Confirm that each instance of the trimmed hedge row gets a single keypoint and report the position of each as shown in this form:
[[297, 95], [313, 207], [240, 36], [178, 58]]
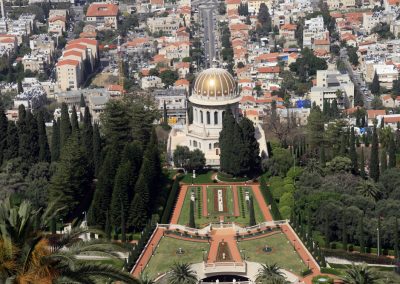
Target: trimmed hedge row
[[359, 257], [270, 199], [229, 178], [169, 207]]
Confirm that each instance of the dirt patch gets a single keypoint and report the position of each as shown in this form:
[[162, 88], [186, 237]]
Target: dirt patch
[[104, 79], [224, 202]]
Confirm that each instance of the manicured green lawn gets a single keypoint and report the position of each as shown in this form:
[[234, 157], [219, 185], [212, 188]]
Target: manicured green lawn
[[282, 252], [116, 262], [214, 216], [165, 255], [200, 178]]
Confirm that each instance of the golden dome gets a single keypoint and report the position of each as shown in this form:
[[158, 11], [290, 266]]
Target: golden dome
[[215, 82]]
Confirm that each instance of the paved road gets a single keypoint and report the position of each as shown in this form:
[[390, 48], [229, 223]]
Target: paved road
[[356, 78]]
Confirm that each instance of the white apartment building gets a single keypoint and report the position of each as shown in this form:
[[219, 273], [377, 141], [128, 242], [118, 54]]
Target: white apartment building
[[329, 84], [370, 20], [314, 30], [151, 82], [168, 25], [386, 74]]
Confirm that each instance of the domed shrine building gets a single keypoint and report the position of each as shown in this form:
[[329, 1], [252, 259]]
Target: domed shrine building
[[213, 92]]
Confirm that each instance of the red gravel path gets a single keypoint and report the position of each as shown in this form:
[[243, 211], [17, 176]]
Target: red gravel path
[[204, 201], [179, 204], [236, 210], [261, 203]]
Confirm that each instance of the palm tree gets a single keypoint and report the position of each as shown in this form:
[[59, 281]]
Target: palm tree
[[360, 274], [368, 189], [268, 272], [33, 256], [182, 273], [144, 279]]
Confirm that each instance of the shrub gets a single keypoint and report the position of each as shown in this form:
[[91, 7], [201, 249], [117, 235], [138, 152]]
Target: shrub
[[306, 272], [285, 211], [286, 200], [288, 180], [332, 271], [359, 257]]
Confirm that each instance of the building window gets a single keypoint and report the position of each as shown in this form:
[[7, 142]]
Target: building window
[[208, 117], [216, 117], [194, 143], [209, 146], [201, 116], [216, 145]]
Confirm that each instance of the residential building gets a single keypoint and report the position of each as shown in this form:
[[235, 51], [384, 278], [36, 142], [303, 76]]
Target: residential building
[[166, 25], [103, 15], [151, 82], [175, 101], [68, 74]]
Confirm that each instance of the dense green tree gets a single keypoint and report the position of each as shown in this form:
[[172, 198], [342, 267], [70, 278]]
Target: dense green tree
[[96, 149], [362, 164], [374, 159], [3, 132], [104, 187], [138, 211], [265, 21], [361, 234], [307, 64], [252, 218], [116, 123], [44, 150], [383, 160], [250, 163], [120, 196], [392, 152], [28, 139], [55, 141], [353, 153], [315, 128], [12, 141], [87, 135], [343, 144], [192, 223], [396, 238], [65, 125], [142, 122], [169, 77], [375, 85], [165, 114], [71, 184], [82, 102], [74, 120]]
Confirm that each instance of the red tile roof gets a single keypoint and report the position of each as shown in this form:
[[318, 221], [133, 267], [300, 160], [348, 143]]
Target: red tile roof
[[289, 27], [102, 10], [372, 113], [68, 62], [273, 69]]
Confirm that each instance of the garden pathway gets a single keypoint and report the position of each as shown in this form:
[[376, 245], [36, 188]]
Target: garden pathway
[[236, 204], [179, 204], [204, 201], [227, 235], [261, 203]]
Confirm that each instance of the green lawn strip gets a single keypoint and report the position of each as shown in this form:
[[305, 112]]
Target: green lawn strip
[[184, 216], [242, 202], [115, 262], [165, 255], [199, 179], [258, 213], [282, 252]]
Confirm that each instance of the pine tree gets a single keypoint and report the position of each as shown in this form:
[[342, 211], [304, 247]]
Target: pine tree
[[70, 184], [74, 120], [104, 187], [28, 139], [315, 126], [360, 234], [374, 159], [362, 164], [383, 164], [353, 153], [107, 227], [120, 194], [55, 141], [116, 123], [192, 223], [12, 141], [44, 150], [87, 137], [3, 132], [123, 225], [65, 126], [96, 149], [392, 152]]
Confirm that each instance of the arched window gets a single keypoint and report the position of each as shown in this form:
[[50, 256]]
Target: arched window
[[201, 116], [216, 117], [208, 117], [194, 143]]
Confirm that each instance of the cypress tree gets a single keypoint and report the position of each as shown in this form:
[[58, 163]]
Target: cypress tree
[[74, 120], [251, 162], [87, 137], [360, 234], [139, 207], [55, 141], [3, 132], [226, 142], [192, 223], [104, 187], [309, 223], [107, 227], [344, 233], [343, 144], [96, 149], [165, 114], [362, 164], [322, 158], [70, 184], [65, 125], [383, 166], [116, 124], [392, 152], [327, 232], [374, 159], [44, 151], [334, 109], [379, 247], [252, 218], [12, 141], [396, 238], [82, 103], [123, 225], [120, 194], [29, 140], [353, 153], [375, 85]]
